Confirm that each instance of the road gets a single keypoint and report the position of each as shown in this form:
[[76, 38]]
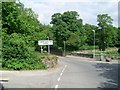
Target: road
[[72, 72]]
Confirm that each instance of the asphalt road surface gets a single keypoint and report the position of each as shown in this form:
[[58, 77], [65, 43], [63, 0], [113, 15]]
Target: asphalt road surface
[[72, 72]]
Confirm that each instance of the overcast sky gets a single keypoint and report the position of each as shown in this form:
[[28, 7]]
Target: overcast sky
[[87, 9]]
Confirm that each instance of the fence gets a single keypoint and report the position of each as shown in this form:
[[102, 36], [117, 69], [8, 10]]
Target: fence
[[56, 52]]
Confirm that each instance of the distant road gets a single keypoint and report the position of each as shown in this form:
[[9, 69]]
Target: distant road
[[72, 72]]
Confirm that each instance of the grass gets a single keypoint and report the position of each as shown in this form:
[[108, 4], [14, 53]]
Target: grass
[[105, 52], [111, 53]]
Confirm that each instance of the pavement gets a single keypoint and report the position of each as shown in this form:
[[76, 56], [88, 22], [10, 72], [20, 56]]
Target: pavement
[[71, 72]]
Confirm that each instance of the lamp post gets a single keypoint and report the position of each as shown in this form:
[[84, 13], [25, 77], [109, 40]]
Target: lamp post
[[94, 43]]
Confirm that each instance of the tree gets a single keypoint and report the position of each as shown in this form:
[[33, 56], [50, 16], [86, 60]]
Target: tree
[[10, 14], [118, 37], [67, 26], [105, 30], [89, 34]]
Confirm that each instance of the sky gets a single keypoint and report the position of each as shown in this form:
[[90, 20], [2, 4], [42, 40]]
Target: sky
[[87, 9]]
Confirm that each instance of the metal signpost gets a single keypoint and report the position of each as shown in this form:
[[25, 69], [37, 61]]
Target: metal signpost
[[45, 42]]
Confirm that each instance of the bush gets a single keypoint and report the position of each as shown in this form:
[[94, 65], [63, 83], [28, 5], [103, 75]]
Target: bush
[[22, 64], [16, 47], [17, 54], [112, 52]]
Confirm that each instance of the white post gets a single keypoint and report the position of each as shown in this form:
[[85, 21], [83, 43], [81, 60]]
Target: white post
[[48, 48], [41, 50], [94, 44]]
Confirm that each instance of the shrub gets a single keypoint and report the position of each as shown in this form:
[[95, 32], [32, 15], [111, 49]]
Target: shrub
[[112, 52], [22, 64], [17, 54]]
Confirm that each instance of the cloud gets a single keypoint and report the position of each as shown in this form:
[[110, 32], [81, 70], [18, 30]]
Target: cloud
[[88, 10]]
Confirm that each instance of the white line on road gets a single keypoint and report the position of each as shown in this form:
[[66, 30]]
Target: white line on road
[[56, 86], [64, 68], [61, 74], [58, 79]]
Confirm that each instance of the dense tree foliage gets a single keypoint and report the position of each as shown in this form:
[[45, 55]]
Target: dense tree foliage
[[107, 33], [21, 31], [89, 34], [118, 37], [69, 28]]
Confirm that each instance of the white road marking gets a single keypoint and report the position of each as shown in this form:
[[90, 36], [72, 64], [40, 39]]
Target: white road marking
[[61, 74], [56, 86], [64, 68], [58, 79]]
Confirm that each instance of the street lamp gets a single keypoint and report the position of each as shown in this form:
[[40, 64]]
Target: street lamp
[[94, 43]]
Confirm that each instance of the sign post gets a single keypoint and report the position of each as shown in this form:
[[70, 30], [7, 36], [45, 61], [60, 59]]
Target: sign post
[[45, 42], [48, 48], [41, 50]]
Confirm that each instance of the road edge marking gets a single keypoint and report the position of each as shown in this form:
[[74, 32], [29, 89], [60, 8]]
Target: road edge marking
[[61, 74], [56, 86], [58, 79]]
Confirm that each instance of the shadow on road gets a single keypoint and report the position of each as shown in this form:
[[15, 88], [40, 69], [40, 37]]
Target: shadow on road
[[1, 87], [110, 72]]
